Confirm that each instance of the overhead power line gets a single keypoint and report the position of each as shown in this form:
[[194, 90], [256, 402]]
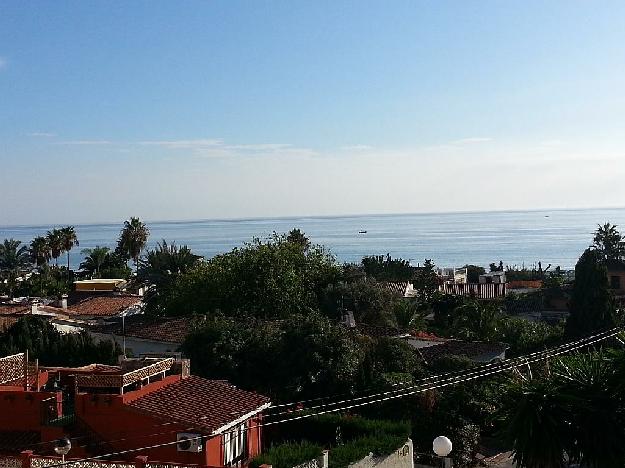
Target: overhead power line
[[502, 366]]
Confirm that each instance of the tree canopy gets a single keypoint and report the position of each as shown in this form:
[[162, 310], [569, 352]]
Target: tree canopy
[[44, 342], [592, 305], [263, 279]]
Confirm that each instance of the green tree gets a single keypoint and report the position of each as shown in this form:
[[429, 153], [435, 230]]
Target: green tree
[[95, 259], [303, 356], [426, 281], [272, 279], [132, 239], [592, 305], [609, 242], [476, 321], [576, 413], [369, 300], [14, 258], [162, 266], [55, 242], [69, 239], [44, 342], [295, 236], [387, 268], [40, 251]]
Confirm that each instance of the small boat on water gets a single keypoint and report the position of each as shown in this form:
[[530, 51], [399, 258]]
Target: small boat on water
[[362, 232]]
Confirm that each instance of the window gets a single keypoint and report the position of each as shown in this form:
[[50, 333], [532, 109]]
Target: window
[[615, 282], [235, 445]]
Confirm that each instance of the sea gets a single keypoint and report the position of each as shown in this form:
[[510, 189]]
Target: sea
[[518, 238]]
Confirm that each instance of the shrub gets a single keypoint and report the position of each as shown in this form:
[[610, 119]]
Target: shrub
[[287, 455]]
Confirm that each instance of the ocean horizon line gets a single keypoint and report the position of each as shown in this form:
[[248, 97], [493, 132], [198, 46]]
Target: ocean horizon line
[[296, 217]]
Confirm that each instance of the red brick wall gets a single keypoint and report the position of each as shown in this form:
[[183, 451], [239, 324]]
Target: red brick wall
[[21, 410]]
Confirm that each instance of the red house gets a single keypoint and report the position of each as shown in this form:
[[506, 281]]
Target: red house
[[140, 403]]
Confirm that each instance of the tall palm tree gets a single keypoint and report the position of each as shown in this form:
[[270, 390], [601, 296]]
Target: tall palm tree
[[14, 258], [132, 239], [40, 255], [55, 241], [69, 240], [40, 251], [609, 242], [95, 259]]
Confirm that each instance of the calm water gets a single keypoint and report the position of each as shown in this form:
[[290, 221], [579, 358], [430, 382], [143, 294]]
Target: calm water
[[451, 239]]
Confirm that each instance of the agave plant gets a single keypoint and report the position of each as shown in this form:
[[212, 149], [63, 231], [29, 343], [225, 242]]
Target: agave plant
[[576, 415]]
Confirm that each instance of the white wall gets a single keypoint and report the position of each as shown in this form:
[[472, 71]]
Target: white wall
[[401, 458]]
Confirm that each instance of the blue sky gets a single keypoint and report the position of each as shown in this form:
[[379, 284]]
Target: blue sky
[[186, 110]]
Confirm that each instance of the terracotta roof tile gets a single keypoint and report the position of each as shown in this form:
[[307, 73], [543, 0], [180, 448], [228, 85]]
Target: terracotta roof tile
[[207, 405], [170, 330], [103, 305], [11, 309]]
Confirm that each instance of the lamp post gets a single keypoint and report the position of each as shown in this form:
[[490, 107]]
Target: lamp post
[[62, 447], [442, 448]]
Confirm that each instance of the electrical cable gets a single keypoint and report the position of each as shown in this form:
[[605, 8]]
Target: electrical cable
[[504, 366]]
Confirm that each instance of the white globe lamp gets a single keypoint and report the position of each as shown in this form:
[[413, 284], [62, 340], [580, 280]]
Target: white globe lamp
[[442, 448], [62, 447]]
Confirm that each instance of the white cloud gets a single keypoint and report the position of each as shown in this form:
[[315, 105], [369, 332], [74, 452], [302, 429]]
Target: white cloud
[[469, 140], [217, 148], [42, 134], [184, 144], [86, 142], [357, 148]]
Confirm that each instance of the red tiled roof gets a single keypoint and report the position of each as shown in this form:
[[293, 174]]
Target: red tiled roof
[[103, 305], [12, 309], [170, 330], [204, 404]]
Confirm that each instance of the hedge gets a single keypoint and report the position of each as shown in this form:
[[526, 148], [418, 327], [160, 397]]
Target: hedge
[[287, 455], [356, 449]]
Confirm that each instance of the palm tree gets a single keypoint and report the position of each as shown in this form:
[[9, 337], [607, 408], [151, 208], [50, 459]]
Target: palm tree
[[13, 259], [609, 242], [40, 251], [576, 414], [55, 242], [132, 239], [94, 259], [69, 240], [165, 262]]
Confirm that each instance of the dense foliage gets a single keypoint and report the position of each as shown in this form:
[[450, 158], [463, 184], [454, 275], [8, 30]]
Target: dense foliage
[[387, 268], [592, 305], [44, 342], [287, 455], [349, 438], [575, 414], [303, 356], [264, 279]]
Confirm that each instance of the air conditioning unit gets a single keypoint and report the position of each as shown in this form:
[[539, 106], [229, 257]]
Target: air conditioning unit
[[189, 442]]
